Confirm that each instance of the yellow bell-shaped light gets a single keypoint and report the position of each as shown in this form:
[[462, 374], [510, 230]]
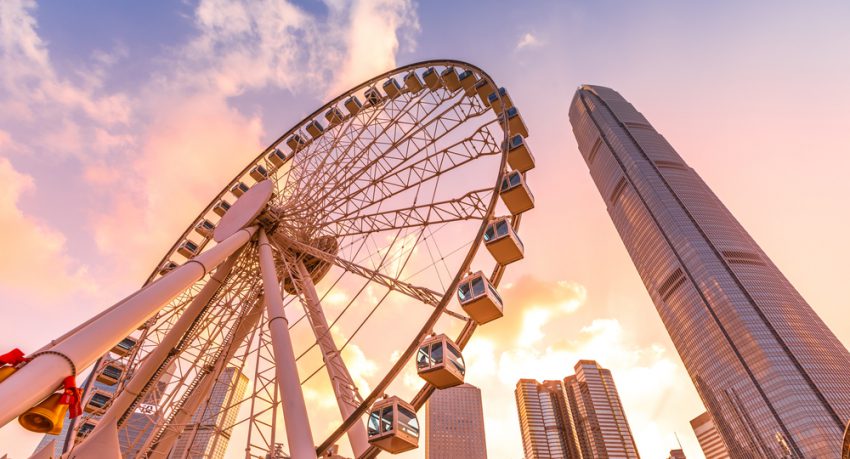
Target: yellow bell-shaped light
[[6, 371], [46, 417]]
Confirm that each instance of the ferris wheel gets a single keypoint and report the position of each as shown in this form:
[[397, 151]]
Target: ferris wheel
[[353, 239]]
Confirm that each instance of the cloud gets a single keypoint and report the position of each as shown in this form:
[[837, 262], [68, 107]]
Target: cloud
[[528, 40]]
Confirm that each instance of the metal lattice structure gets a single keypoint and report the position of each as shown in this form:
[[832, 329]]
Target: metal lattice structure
[[376, 213]]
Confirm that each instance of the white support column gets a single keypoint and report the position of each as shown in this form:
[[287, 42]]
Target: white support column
[[298, 430], [40, 377], [346, 392]]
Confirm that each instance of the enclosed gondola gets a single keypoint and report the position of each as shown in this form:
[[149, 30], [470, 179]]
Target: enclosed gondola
[[503, 242], [239, 188], [440, 362], [98, 402], [353, 105], [519, 156], [500, 101], [167, 267], [479, 299], [276, 158], [124, 347], [432, 79], [515, 122], [467, 81], [412, 82], [334, 117], [392, 88], [450, 79], [86, 428], [205, 228], [188, 249], [483, 88], [515, 193], [110, 373], [372, 96], [221, 208], [393, 426], [259, 173], [296, 141]]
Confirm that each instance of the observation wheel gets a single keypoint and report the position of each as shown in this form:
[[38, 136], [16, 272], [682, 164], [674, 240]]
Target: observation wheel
[[324, 293]]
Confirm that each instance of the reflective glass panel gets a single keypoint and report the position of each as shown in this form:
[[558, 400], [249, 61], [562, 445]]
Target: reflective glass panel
[[374, 424], [422, 359], [437, 353], [407, 421], [387, 419], [478, 286]]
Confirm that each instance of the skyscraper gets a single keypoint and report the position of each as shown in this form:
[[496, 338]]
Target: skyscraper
[[600, 421], [455, 420], [708, 437], [770, 372], [676, 454], [544, 420], [217, 415]]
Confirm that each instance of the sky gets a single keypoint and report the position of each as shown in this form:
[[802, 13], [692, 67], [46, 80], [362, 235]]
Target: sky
[[121, 119]]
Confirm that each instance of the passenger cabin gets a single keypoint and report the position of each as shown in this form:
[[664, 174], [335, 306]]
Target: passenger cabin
[[519, 156], [188, 249], [413, 82], [515, 122], [432, 79], [484, 89], [221, 208], [502, 241], [393, 426], [334, 117], [259, 173], [479, 299], [123, 348], [110, 373], [295, 142], [86, 428], [392, 88], [315, 129], [98, 402], [440, 362], [467, 80], [240, 188], [450, 79], [205, 228], [515, 193], [500, 101], [353, 105], [373, 97], [276, 158], [167, 267]]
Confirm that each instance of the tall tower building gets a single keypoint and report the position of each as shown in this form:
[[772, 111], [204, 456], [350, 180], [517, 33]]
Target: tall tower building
[[770, 372], [708, 437], [595, 406], [455, 420], [544, 420], [676, 454], [217, 415]]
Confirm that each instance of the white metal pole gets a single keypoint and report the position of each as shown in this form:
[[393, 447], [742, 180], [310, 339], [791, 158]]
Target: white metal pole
[[346, 392], [294, 409], [40, 377]]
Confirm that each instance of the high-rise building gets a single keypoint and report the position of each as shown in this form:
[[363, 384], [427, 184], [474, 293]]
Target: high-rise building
[[544, 420], [771, 373], [708, 437], [455, 420], [676, 454], [215, 416], [601, 424], [579, 417]]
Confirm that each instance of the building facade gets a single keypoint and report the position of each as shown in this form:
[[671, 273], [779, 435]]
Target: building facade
[[579, 417], [198, 440], [455, 420], [676, 454], [770, 372], [708, 437]]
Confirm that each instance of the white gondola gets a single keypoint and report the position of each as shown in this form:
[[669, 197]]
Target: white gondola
[[519, 155], [500, 101], [515, 122], [315, 129], [440, 362], [432, 79], [188, 249], [86, 428], [167, 267], [110, 373], [392, 88], [98, 402], [479, 299], [240, 188], [259, 173], [413, 83], [467, 81], [483, 88], [393, 425], [515, 193], [205, 228], [503, 242], [221, 208], [296, 141], [353, 105], [450, 79], [334, 117], [124, 347], [372, 96]]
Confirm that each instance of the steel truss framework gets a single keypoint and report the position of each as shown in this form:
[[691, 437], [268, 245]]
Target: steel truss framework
[[381, 210]]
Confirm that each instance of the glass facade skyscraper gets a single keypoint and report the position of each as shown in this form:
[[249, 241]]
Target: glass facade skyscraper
[[770, 372], [455, 424]]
